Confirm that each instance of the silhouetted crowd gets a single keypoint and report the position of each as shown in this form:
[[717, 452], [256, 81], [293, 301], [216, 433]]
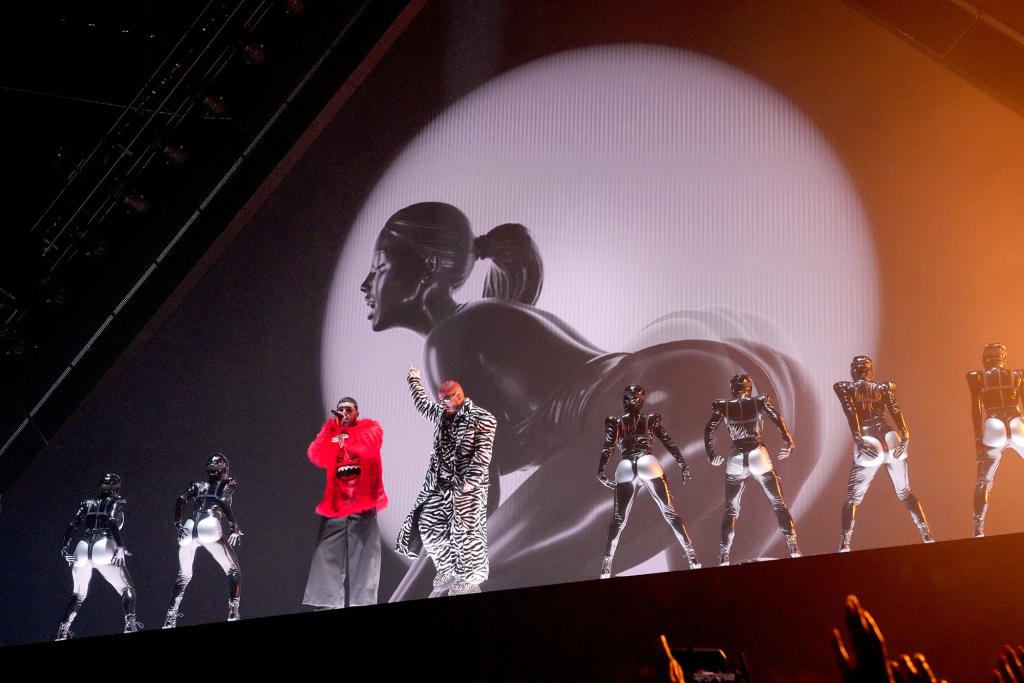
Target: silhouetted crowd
[[864, 658]]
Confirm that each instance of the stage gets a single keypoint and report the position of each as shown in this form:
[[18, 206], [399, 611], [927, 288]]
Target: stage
[[956, 601]]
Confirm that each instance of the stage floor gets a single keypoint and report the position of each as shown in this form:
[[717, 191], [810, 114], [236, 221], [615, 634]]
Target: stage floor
[[956, 601]]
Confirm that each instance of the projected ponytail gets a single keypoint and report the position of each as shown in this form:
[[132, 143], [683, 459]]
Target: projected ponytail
[[516, 273], [441, 232]]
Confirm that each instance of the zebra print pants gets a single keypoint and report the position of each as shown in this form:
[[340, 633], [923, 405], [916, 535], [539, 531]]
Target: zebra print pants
[[453, 527]]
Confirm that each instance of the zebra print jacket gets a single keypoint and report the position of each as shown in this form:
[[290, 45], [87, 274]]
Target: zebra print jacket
[[460, 460]]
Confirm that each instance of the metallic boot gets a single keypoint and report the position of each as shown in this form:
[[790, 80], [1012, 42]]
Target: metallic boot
[[691, 556], [606, 567], [979, 526], [171, 620], [64, 632], [791, 544], [70, 612], [131, 625], [233, 614], [917, 516], [844, 540], [723, 556]]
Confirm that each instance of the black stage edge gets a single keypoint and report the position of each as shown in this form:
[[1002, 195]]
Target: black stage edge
[[956, 601]]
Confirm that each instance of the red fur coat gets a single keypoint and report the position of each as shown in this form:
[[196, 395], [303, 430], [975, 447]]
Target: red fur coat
[[354, 482]]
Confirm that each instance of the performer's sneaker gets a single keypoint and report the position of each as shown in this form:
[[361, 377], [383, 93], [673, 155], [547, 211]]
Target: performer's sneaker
[[463, 588], [443, 581]]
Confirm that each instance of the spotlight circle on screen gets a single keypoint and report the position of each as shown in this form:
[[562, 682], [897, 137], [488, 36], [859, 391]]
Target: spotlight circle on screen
[[653, 180]]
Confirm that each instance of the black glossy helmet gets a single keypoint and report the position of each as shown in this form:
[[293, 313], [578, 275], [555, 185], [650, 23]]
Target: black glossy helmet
[[217, 465], [861, 367], [740, 385], [994, 355], [110, 483], [634, 396]]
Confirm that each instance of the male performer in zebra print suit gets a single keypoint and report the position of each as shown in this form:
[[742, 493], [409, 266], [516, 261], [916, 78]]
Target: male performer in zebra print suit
[[449, 518]]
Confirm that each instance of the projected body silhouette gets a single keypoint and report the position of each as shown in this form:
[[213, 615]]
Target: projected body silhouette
[[545, 384]]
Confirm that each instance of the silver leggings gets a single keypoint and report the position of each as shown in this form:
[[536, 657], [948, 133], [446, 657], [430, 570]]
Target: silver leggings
[[630, 475], [759, 466]]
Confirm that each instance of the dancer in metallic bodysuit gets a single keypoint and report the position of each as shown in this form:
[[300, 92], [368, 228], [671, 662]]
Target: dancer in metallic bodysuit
[[101, 547], [876, 443], [634, 432], [998, 422], [748, 456], [211, 525]]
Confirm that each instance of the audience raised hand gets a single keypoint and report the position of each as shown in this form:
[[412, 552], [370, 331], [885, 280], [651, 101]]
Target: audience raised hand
[[1010, 668], [913, 669], [865, 660]]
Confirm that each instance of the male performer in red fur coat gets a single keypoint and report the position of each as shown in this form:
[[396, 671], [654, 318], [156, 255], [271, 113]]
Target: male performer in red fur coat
[[348, 547]]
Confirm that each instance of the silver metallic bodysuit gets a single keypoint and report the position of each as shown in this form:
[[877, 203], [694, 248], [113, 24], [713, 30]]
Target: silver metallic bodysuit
[[748, 457], [876, 443], [100, 547], [998, 423], [634, 434], [211, 526]]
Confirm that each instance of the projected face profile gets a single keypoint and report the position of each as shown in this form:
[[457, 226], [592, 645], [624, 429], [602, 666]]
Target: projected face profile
[[499, 238], [423, 252], [388, 295]]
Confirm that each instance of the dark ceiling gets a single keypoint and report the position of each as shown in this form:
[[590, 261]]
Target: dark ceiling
[[72, 67], [86, 104], [136, 130], [981, 40]]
